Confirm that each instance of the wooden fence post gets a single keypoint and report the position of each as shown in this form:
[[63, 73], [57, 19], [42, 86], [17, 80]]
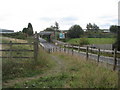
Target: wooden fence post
[[48, 50], [98, 55], [36, 47], [53, 49], [64, 48], [60, 49], [87, 53], [91, 50], [68, 48], [35, 51], [56, 49], [115, 60], [10, 52], [72, 49], [79, 48]]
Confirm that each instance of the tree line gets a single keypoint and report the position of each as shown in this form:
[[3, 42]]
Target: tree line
[[75, 31], [92, 31]]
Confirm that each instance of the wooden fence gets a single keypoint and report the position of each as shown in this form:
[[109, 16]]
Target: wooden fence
[[65, 49], [11, 49]]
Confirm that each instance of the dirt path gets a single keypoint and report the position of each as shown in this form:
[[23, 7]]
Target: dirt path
[[60, 66]]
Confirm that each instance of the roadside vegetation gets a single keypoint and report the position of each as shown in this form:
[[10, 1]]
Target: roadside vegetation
[[77, 73]]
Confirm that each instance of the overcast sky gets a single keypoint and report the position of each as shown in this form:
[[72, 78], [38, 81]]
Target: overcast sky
[[16, 14]]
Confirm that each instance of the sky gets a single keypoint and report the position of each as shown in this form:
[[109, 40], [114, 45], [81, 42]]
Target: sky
[[16, 14]]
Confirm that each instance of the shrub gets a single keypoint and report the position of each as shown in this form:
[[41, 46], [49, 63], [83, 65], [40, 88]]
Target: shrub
[[84, 41]]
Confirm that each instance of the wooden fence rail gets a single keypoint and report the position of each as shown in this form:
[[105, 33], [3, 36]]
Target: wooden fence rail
[[10, 50], [67, 50], [16, 50], [93, 49], [18, 43]]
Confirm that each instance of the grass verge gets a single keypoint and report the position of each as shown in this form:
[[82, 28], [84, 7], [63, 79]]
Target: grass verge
[[79, 73]]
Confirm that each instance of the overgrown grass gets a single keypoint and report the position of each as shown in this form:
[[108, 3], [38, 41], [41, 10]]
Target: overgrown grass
[[88, 73], [93, 40], [79, 73], [16, 68]]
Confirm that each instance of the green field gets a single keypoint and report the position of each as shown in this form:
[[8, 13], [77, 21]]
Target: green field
[[93, 40]]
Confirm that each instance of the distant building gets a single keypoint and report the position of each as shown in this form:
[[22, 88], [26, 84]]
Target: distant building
[[45, 33], [6, 31], [84, 30], [105, 30]]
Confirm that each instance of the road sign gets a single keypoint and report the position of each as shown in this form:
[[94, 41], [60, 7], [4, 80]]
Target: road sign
[[61, 35]]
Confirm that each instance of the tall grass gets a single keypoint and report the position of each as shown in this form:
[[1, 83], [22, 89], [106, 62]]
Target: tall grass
[[78, 73], [88, 74], [16, 68]]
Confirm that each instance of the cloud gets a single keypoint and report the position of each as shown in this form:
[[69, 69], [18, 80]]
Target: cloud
[[114, 21], [15, 14], [106, 25], [106, 17], [65, 19], [46, 19], [69, 19], [107, 20]]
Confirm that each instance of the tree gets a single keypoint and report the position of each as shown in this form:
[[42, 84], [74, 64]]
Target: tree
[[113, 28], [30, 29], [25, 30], [56, 25], [75, 31], [91, 27], [95, 27], [49, 29], [53, 28]]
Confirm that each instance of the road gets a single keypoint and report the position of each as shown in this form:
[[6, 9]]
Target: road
[[46, 45], [105, 59]]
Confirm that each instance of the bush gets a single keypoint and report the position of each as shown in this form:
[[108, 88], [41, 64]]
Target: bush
[[84, 41]]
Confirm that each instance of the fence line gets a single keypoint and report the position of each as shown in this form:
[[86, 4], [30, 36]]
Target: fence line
[[10, 50], [66, 50], [93, 49]]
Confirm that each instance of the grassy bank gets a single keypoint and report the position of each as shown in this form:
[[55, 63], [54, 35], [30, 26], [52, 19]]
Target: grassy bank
[[17, 68], [93, 40], [77, 73]]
